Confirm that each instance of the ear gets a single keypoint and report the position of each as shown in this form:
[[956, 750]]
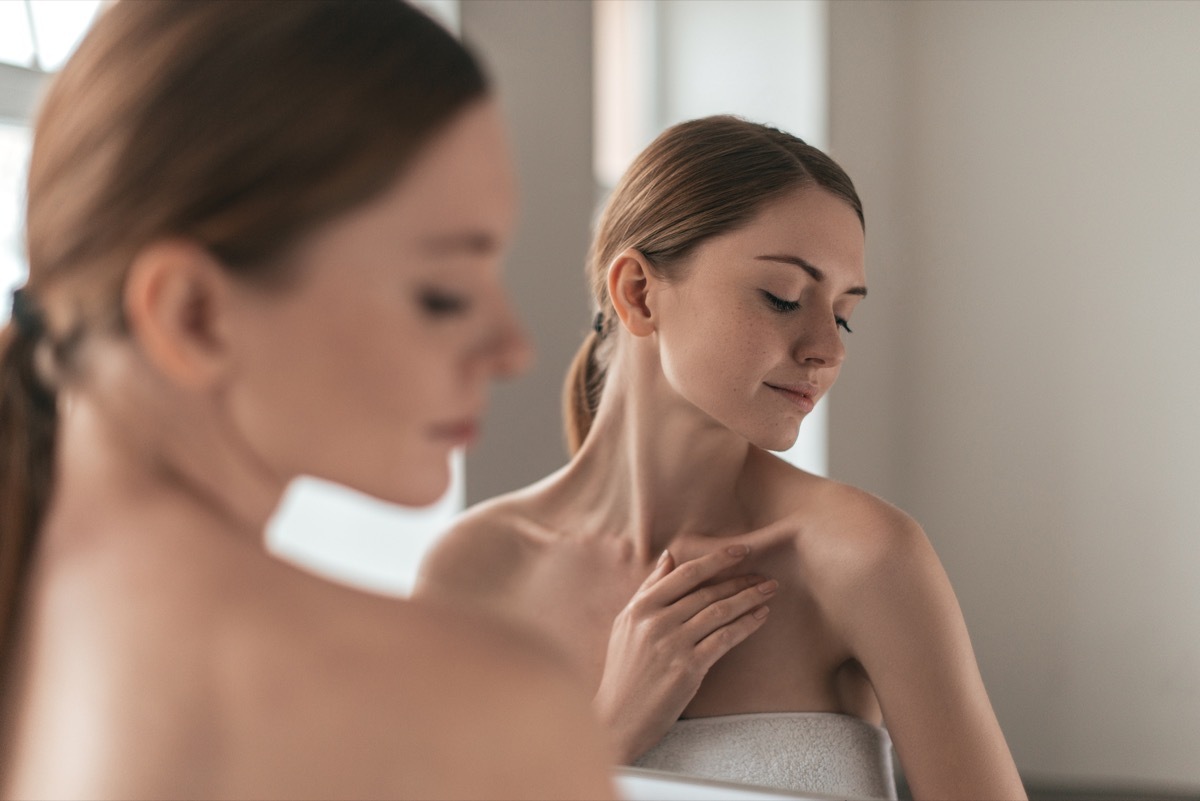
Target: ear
[[631, 286], [174, 297]]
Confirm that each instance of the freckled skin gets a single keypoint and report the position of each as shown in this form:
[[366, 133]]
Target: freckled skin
[[720, 339]]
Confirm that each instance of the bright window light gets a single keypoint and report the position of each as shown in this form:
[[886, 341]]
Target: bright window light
[[16, 43], [42, 33], [14, 156]]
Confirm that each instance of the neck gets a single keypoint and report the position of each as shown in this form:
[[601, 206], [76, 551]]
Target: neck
[[653, 467], [135, 447]]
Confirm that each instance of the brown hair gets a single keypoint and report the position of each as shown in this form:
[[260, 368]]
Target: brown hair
[[238, 125], [697, 180]]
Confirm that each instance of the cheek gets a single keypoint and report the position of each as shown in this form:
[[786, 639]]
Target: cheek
[[721, 354]]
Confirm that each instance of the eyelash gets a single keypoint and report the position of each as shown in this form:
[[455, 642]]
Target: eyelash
[[784, 306], [443, 304]]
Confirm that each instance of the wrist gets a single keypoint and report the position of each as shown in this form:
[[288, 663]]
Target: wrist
[[626, 742]]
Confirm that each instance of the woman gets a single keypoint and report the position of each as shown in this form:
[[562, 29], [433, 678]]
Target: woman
[[726, 268], [264, 241]]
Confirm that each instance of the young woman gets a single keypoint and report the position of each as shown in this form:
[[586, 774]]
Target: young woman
[[726, 268], [264, 241]]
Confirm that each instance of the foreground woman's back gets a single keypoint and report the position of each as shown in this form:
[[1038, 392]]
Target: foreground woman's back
[[244, 678], [264, 241]]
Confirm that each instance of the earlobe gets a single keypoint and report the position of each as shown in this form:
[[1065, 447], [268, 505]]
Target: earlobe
[[630, 286], [173, 297]]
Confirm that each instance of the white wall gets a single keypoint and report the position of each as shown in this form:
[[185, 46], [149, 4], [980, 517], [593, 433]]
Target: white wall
[[1028, 391], [540, 55]]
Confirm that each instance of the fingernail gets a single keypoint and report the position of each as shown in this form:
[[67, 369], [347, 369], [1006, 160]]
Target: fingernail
[[737, 550], [663, 558], [768, 587], [761, 612]]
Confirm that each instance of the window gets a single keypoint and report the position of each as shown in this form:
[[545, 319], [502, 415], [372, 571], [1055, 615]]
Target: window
[[36, 37], [14, 155]]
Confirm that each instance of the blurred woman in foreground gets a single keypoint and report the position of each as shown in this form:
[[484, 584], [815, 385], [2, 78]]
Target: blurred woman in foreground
[[264, 241]]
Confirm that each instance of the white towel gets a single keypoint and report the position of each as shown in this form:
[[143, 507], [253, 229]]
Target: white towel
[[821, 752]]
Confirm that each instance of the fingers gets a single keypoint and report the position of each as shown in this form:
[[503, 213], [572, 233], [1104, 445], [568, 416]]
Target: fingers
[[726, 610], [666, 563], [704, 598], [686, 577], [725, 638]]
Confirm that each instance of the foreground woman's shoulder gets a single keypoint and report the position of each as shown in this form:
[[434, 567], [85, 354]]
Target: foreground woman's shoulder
[[513, 720], [411, 699], [249, 678]]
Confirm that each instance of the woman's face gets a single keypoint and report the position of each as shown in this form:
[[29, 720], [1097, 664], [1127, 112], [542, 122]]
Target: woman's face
[[751, 335], [376, 365]]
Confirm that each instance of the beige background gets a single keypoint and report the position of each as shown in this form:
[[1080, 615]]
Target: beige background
[[1028, 380]]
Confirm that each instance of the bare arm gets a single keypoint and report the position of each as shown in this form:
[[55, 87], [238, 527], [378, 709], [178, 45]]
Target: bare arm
[[905, 626]]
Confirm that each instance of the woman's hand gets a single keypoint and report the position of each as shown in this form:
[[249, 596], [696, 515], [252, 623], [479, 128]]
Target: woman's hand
[[667, 637]]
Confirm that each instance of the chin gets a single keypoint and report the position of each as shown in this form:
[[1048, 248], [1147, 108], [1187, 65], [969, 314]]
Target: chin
[[425, 492], [411, 485], [776, 440]]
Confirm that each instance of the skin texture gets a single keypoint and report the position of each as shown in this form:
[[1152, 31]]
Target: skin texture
[[164, 653], [862, 621]]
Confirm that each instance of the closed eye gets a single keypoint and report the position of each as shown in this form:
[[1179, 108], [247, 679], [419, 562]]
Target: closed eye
[[779, 304], [438, 303], [784, 306]]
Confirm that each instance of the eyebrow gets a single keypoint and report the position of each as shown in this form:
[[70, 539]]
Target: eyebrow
[[809, 268], [475, 243]]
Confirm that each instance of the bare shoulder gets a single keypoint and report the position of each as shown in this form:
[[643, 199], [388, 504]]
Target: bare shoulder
[[482, 553], [246, 677], [861, 530], [424, 690], [853, 542], [512, 708], [837, 524], [397, 696], [871, 564]]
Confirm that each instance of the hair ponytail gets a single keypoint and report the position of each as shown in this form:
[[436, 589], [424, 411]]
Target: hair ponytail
[[28, 424], [581, 392]]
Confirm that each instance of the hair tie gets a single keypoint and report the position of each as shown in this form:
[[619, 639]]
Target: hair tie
[[598, 324], [26, 316]]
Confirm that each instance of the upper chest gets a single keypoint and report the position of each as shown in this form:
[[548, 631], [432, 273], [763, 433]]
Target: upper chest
[[573, 589]]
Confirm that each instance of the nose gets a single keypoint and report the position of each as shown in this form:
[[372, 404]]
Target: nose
[[820, 344], [511, 351]]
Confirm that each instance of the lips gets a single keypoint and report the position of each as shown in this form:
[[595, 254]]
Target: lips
[[803, 396], [459, 433]]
